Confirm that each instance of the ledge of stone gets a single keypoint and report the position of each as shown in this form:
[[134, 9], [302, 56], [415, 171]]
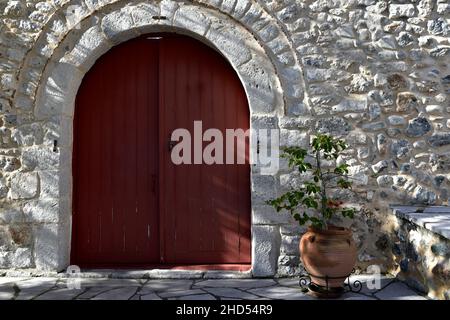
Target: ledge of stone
[[433, 218], [131, 274]]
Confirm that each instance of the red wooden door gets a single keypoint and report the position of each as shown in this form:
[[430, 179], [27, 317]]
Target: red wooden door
[[132, 206], [205, 208], [115, 204]]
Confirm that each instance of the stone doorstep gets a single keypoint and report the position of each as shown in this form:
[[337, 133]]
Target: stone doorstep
[[165, 274], [131, 274], [433, 218]]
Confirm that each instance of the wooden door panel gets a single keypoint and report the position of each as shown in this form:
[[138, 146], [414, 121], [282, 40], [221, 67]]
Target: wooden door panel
[[206, 208], [116, 220]]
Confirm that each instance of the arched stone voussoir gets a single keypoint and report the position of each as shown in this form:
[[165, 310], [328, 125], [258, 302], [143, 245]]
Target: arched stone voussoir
[[146, 15], [231, 39], [262, 85], [134, 20], [192, 18], [118, 26], [58, 92], [98, 4], [91, 46]]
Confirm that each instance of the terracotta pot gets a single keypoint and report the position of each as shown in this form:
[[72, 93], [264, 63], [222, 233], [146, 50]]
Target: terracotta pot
[[329, 253]]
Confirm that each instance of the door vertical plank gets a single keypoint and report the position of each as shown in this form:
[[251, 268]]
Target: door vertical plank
[[164, 156], [130, 128], [207, 171], [148, 152], [154, 148], [107, 236], [117, 209], [143, 162], [93, 176]]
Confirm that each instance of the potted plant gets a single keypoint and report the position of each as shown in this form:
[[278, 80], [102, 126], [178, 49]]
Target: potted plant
[[328, 252]]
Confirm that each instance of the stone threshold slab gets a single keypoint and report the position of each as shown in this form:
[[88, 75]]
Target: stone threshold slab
[[433, 218], [134, 274]]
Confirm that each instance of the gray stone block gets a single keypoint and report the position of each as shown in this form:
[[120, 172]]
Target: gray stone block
[[24, 185], [118, 26], [266, 246]]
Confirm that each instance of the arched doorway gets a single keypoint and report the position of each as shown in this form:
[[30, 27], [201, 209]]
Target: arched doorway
[[132, 207]]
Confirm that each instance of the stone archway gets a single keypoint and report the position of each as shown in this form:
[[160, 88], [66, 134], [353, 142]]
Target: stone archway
[[96, 35]]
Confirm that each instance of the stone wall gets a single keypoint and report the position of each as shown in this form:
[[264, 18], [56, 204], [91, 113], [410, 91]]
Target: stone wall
[[423, 259], [374, 72]]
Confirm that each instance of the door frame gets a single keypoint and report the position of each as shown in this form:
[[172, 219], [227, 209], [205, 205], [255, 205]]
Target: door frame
[[55, 104], [164, 157]]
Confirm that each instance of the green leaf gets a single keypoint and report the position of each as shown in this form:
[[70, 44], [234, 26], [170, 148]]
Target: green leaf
[[344, 183], [316, 222], [310, 203], [341, 169], [349, 212], [312, 188]]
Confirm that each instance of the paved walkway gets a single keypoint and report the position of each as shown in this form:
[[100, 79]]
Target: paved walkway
[[166, 289]]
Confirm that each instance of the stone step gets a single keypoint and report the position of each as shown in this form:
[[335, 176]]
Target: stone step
[[422, 248]]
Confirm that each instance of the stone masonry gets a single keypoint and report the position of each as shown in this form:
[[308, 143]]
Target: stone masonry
[[376, 73], [422, 249]]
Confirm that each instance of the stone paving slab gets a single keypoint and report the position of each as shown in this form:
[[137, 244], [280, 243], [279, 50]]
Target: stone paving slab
[[116, 294], [6, 293], [29, 294], [226, 293], [236, 283], [105, 282], [151, 296], [90, 293], [369, 285], [194, 289], [280, 293], [398, 291], [168, 285], [59, 294], [356, 296], [181, 293], [195, 297]]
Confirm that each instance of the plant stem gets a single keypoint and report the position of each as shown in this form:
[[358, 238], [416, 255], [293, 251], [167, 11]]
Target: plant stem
[[323, 191]]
